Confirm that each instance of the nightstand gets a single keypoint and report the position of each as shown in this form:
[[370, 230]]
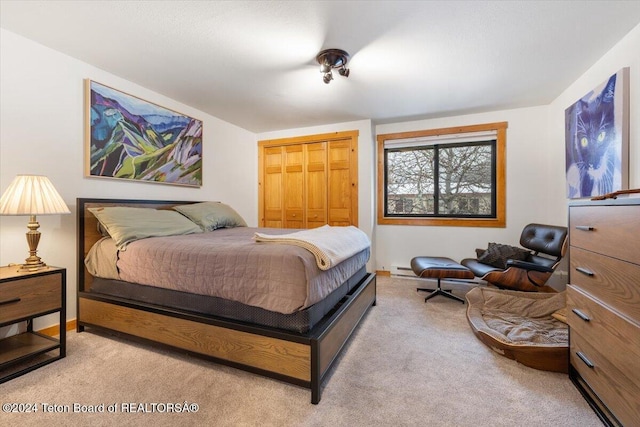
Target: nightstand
[[25, 296]]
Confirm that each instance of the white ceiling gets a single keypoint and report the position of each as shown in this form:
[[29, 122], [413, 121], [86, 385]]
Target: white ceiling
[[252, 63]]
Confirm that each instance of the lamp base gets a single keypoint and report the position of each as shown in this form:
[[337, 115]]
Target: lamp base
[[33, 265]]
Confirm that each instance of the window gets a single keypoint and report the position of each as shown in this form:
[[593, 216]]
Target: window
[[463, 175], [452, 176]]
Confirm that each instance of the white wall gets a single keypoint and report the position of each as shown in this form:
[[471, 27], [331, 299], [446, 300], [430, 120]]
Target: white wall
[[41, 132], [528, 152], [536, 189], [625, 53]]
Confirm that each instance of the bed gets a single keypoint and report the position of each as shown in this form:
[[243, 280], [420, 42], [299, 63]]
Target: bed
[[297, 344]]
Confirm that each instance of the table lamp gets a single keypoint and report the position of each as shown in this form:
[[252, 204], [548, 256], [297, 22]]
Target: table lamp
[[32, 195]]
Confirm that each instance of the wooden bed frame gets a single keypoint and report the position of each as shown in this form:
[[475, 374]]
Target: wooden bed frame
[[301, 359]]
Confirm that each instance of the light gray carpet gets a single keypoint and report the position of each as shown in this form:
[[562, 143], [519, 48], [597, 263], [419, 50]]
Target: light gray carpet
[[408, 364]]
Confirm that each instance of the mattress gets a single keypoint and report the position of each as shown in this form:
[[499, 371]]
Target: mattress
[[301, 321], [226, 273]]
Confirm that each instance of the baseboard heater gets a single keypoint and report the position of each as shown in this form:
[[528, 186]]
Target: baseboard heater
[[398, 270]]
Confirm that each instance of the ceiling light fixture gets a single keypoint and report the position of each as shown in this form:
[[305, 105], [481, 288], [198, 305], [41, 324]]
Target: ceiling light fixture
[[330, 59]]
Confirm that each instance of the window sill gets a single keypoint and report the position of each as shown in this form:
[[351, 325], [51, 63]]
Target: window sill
[[445, 222]]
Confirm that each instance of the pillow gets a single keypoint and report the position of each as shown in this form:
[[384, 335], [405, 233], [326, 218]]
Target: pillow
[[126, 224], [212, 215], [103, 231], [497, 255]]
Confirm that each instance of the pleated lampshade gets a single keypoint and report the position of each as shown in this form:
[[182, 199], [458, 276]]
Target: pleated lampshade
[[32, 195]]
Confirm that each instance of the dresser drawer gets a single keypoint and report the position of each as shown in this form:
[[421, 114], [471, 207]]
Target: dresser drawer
[[606, 229], [615, 390], [30, 296], [608, 279], [614, 335]]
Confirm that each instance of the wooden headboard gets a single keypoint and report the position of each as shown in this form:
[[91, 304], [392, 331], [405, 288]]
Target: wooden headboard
[[88, 233]]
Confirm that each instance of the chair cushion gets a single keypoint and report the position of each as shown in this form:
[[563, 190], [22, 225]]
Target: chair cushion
[[497, 255], [479, 269], [439, 267], [548, 239]]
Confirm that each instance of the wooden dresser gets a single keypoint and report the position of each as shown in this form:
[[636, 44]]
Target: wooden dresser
[[603, 300]]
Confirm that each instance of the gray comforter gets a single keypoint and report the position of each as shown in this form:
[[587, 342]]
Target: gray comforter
[[228, 263]]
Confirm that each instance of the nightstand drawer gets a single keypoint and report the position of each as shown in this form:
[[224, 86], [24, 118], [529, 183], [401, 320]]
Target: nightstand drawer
[[30, 296], [617, 391], [608, 279], [617, 336], [605, 229]]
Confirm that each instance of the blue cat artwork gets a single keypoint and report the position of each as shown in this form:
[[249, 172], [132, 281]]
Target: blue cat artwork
[[594, 143]]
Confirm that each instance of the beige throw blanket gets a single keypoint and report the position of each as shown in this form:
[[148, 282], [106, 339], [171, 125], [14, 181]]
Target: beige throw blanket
[[330, 245]]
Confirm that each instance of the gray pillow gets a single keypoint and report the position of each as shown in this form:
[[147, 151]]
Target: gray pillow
[[127, 224], [212, 215], [497, 255]]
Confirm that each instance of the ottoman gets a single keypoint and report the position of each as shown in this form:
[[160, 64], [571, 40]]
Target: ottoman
[[439, 268]]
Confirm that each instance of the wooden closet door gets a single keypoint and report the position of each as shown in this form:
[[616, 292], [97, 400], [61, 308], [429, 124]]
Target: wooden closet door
[[273, 182], [342, 186], [294, 200], [308, 181], [316, 184]]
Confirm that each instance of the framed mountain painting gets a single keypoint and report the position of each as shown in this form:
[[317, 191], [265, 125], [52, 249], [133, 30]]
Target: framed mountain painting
[[597, 139], [129, 138]]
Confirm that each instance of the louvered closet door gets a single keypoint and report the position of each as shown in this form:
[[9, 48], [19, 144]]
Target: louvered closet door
[[316, 184], [294, 200], [273, 182]]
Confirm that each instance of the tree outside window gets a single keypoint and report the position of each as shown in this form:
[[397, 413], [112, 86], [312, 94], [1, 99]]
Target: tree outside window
[[429, 180]]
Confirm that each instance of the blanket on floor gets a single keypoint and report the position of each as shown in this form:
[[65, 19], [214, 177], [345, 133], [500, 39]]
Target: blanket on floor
[[523, 319]]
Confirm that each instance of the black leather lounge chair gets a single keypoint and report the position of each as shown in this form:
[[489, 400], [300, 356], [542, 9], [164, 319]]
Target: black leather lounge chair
[[509, 267]]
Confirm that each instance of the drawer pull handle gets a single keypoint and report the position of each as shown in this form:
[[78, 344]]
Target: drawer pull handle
[[581, 315], [585, 359], [10, 301], [584, 227], [585, 271]]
